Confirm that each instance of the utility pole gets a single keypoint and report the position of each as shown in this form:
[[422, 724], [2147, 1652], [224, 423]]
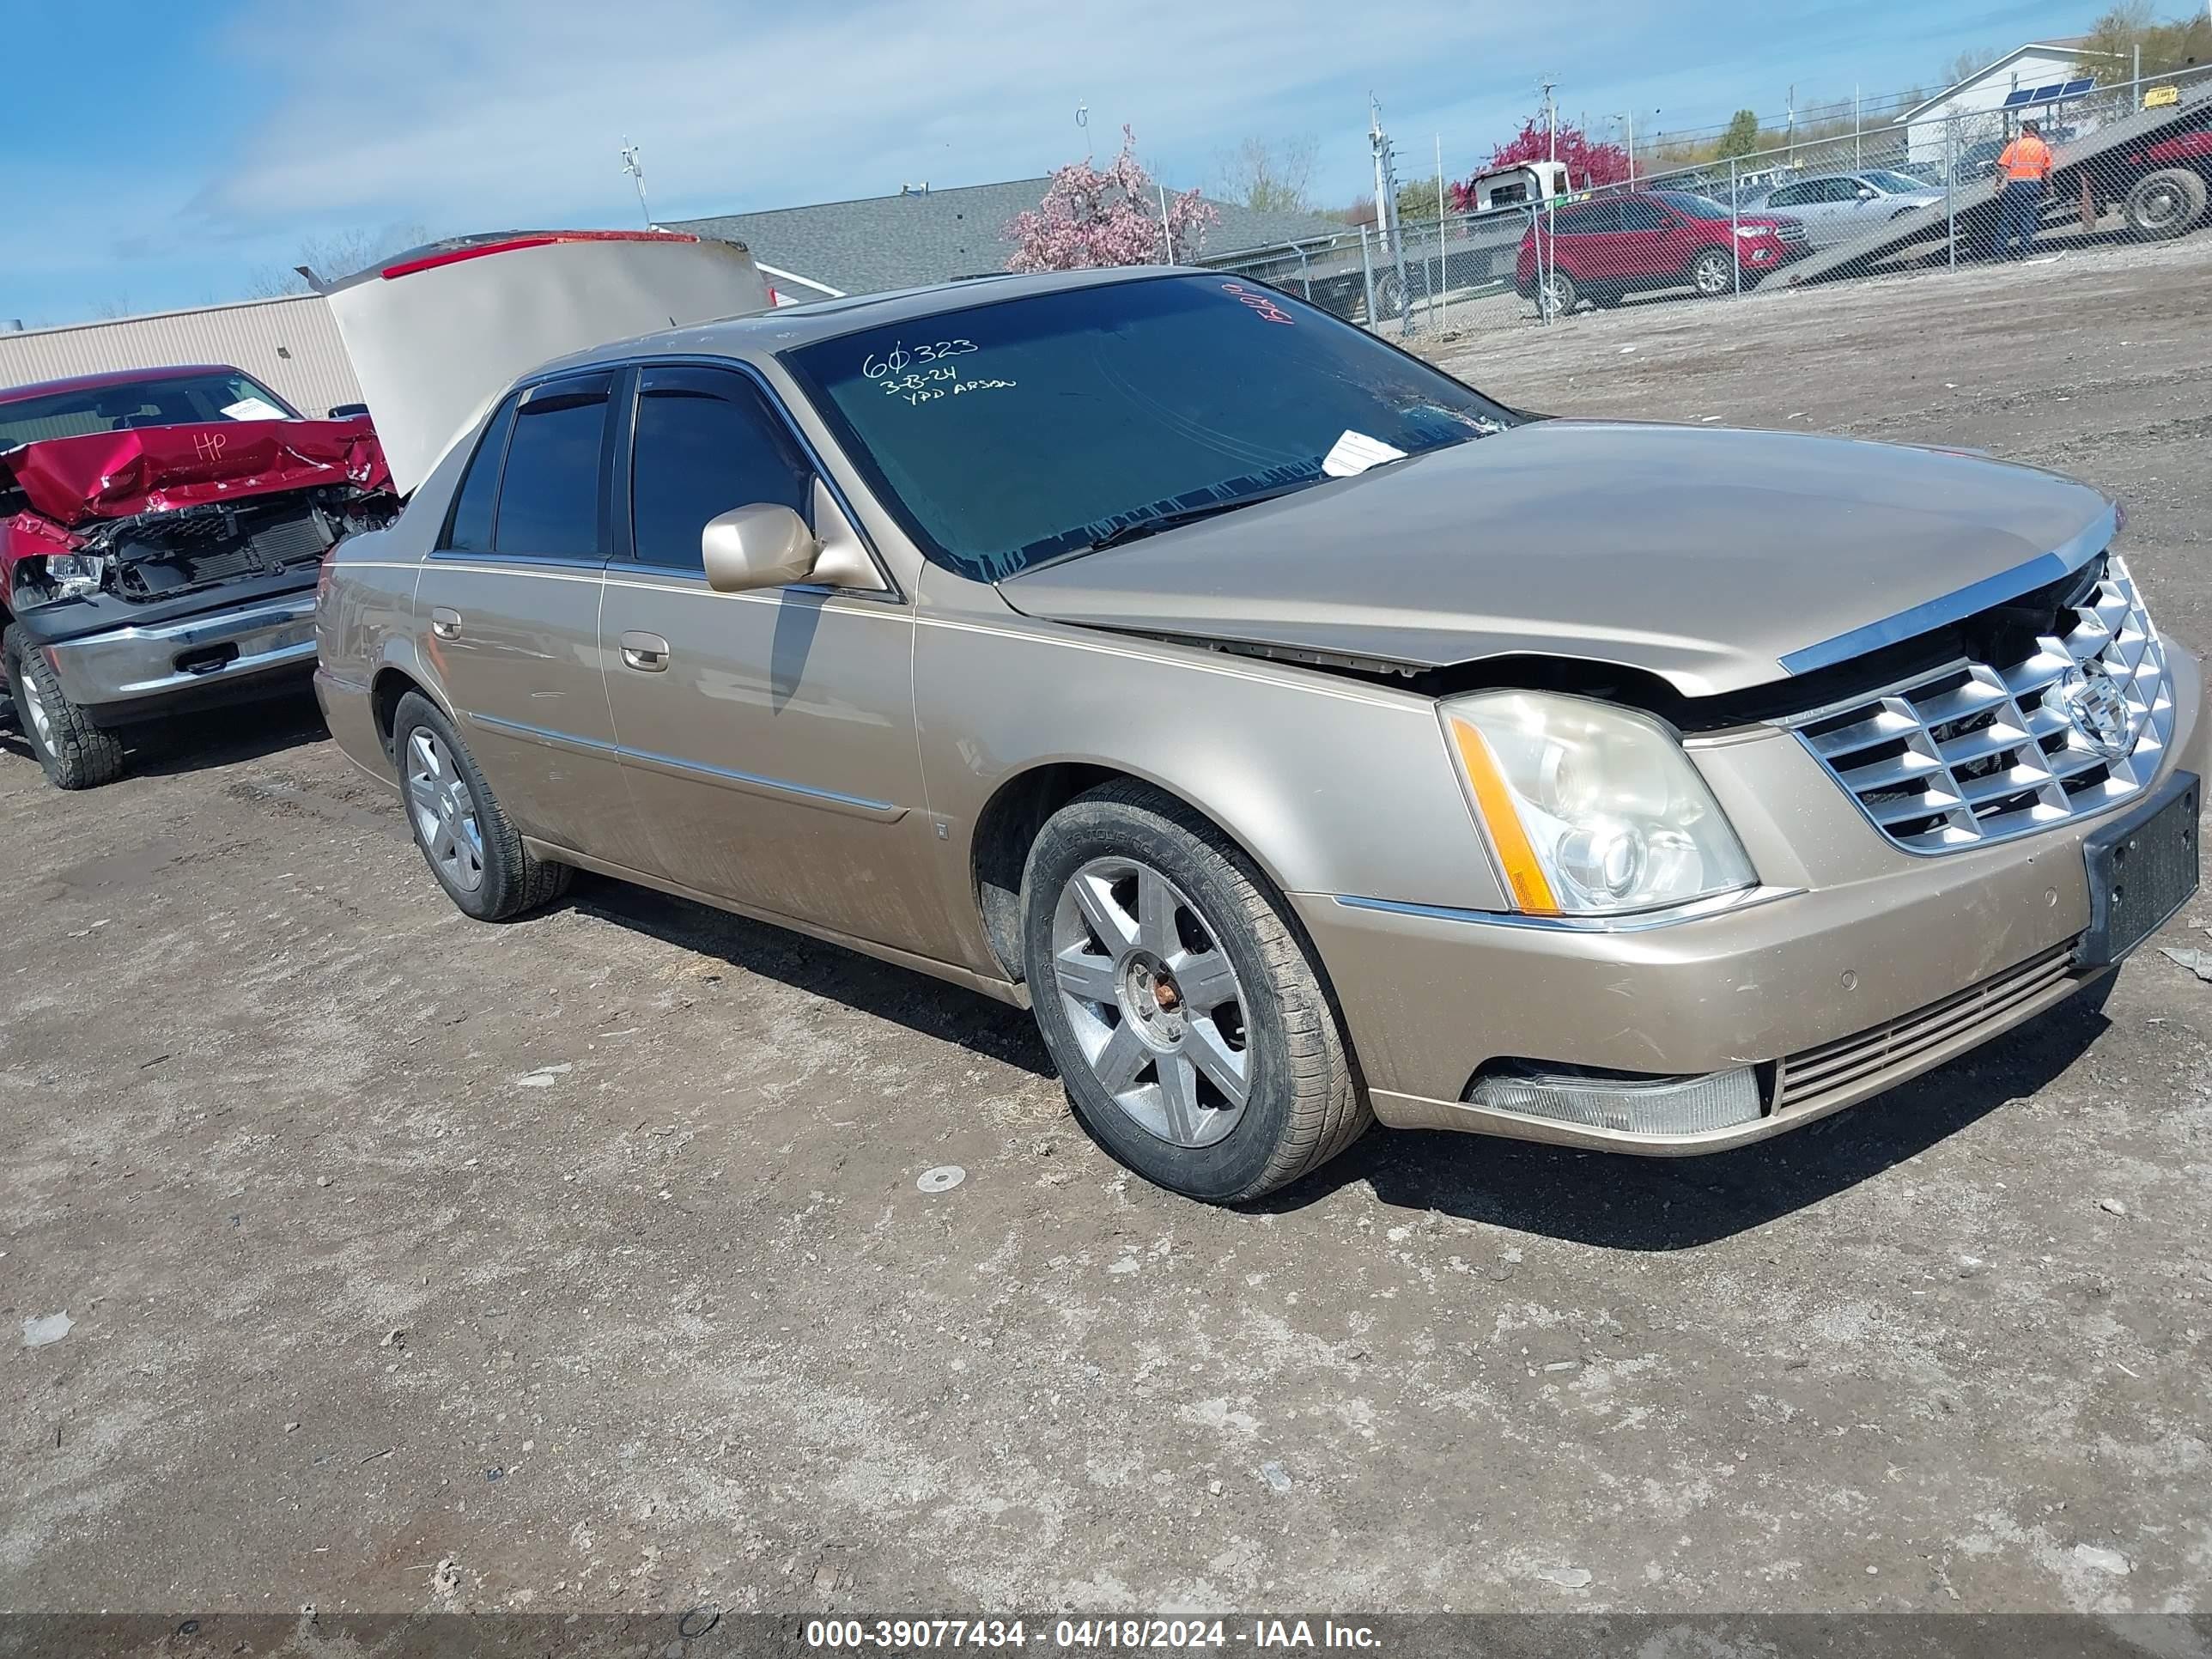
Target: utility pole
[[636, 168], [1793, 125], [1386, 201]]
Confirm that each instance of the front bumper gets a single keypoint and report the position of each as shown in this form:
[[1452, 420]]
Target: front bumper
[[125, 668], [1837, 990]]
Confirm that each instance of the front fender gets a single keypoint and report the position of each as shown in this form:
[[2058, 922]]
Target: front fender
[[1331, 785]]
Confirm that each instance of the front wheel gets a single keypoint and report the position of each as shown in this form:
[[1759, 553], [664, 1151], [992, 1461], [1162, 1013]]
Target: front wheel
[[1712, 274], [1187, 1018], [476, 855], [75, 753], [1557, 294]]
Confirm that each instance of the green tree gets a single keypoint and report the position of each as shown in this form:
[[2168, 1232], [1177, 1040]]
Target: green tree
[[1418, 200], [1742, 137]]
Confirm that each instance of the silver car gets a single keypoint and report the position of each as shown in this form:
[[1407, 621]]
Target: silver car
[[1842, 207]]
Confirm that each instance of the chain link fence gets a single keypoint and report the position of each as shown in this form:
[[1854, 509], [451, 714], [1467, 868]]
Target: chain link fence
[[2133, 161]]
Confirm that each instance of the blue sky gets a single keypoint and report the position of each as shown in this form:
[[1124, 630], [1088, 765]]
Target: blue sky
[[159, 165]]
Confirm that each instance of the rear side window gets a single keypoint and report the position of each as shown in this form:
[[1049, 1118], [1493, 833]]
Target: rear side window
[[706, 441], [469, 529], [551, 490], [1641, 216]]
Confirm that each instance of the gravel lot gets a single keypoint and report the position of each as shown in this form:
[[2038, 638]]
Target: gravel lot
[[580, 1264]]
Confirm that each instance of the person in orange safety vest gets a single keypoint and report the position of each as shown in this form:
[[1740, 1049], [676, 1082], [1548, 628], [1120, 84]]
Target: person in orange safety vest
[[2024, 166]]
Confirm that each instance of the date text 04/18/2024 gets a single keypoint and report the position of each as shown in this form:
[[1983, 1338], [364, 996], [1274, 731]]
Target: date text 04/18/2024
[[1109, 1634]]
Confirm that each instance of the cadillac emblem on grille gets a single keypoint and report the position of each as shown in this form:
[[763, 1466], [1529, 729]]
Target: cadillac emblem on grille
[[2098, 709], [2069, 720]]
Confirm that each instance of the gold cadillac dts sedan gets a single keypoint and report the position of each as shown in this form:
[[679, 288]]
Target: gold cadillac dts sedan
[[1303, 735]]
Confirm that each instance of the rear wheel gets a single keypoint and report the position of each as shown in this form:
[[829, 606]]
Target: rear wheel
[[2165, 203], [476, 855], [1186, 1018], [75, 753], [1712, 273]]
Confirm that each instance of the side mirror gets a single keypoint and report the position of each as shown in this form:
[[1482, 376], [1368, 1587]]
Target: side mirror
[[1867, 193], [763, 545], [348, 411]]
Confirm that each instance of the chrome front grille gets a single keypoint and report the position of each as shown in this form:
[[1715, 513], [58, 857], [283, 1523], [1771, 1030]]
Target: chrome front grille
[[1980, 751]]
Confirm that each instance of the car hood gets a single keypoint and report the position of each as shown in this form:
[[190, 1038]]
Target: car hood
[[73, 481], [1716, 559]]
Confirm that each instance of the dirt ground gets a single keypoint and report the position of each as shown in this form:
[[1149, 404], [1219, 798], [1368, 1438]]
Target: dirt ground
[[581, 1263]]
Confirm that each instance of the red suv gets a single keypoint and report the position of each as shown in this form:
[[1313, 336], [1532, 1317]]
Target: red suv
[[1603, 249]]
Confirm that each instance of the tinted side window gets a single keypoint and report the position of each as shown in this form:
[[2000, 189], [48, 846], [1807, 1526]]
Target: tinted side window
[[549, 495], [706, 441], [1788, 195], [469, 529], [1641, 216]]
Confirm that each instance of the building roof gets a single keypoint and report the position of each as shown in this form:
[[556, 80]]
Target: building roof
[[16, 394], [2065, 43], [922, 235]]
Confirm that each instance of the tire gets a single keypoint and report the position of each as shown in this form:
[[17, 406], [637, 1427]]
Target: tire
[[1204, 986], [2165, 203], [1557, 294], [476, 854], [75, 753], [1712, 273]]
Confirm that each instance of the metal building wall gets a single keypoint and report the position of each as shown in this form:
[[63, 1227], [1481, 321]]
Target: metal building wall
[[290, 344]]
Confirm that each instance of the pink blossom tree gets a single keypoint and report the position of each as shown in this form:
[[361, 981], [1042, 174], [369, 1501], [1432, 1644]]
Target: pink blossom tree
[[1089, 219]]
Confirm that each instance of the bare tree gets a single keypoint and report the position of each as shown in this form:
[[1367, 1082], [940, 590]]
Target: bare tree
[[1965, 65], [1270, 176], [339, 254]]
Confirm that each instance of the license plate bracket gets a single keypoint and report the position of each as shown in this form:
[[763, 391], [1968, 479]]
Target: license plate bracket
[[2143, 869]]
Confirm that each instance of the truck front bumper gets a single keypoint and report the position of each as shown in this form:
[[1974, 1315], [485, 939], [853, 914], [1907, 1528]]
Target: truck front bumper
[[133, 670]]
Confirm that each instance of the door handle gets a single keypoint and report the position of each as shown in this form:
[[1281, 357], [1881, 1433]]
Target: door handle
[[647, 653], [446, 625]]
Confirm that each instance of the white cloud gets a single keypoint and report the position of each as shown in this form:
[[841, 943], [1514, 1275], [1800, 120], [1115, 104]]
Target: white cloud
[[473, 115]]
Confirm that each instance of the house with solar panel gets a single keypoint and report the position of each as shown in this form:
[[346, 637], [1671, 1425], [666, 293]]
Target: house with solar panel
[[2037, 82]]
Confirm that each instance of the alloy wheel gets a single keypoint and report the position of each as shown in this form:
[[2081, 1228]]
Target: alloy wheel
[[1711, 276], [1155, 1004], [444, 812], [34, 706]]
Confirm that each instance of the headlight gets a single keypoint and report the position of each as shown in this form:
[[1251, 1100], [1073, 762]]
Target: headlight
[[1754, 230], [73, 575], [1591, 809]]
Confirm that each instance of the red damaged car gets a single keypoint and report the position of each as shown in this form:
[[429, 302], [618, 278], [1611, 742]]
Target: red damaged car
[[161, 535], [1607, 247]]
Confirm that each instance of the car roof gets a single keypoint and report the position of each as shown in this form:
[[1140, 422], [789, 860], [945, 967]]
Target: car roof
[[765, 333], [14, 394]]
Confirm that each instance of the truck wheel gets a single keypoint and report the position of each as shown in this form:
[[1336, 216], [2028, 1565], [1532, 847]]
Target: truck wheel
[[1188, 1022], [476, 855], [76, 753], [2165, 203]]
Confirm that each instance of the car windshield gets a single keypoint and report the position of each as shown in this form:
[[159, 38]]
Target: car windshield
[[1007, 433], [183, 400], [1897, 184], [1697, 207]]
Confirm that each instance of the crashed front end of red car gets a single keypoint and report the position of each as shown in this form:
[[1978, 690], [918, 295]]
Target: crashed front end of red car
[[153, 568]]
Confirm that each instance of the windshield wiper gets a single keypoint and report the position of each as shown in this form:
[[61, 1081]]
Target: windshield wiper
[[1141, 527]]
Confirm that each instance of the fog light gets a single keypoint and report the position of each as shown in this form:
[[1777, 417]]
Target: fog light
[[1648, 1106]]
